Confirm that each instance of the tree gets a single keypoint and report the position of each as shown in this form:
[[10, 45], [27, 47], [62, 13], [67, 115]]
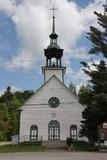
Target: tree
[[99, 37], [5, 126], [95, 101], [9, 112], [84, 94], [72, 88]]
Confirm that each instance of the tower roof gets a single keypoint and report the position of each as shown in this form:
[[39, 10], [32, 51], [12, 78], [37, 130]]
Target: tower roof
[[53, 35], [53, 50], [53, 45], [53, 38]]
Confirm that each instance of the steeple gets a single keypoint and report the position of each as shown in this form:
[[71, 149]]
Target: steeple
[[53, 34], [53, 50], [53, 54], [53, 9], [53, 30]]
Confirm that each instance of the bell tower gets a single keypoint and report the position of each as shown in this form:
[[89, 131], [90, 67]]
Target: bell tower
[[53, 55]]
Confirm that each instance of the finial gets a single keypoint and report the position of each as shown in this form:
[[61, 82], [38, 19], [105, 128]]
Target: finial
[[53, 9]]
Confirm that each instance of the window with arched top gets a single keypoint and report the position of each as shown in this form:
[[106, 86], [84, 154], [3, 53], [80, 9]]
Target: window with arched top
[[34, 132], [73, 132], [54, 130]]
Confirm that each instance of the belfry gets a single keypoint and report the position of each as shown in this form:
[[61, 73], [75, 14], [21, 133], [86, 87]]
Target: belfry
[[53, 52]]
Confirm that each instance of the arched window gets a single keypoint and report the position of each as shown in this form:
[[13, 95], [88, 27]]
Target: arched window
[[54, 130], [34, 132], [73, 132]]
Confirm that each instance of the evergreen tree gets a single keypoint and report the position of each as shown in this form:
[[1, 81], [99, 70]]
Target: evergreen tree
[[95, 101], [72, 88], [98, 37]]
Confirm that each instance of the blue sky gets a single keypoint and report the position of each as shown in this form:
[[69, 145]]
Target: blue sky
[[23, 37]]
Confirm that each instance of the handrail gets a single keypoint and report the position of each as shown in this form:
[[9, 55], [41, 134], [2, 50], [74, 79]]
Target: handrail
[[26, 138]]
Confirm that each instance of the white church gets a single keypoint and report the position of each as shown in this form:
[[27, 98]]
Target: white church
[[53, 113]]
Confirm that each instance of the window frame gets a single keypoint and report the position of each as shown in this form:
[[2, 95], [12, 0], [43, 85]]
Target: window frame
[[54, 130], [34, 129], [73, 132]]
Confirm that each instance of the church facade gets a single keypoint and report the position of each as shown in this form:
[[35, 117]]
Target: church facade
[[53, 113]]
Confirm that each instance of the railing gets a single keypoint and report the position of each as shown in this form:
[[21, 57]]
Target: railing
[[26, 138]]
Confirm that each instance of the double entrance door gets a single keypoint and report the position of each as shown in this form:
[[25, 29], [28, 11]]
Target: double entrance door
[[54, 130]]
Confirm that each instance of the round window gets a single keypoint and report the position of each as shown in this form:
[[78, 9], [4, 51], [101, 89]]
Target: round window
[[54, 102]]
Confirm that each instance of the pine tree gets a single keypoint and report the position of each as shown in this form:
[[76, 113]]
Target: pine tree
[[72, 88], [94, 98], [95, 112], [98, 37]]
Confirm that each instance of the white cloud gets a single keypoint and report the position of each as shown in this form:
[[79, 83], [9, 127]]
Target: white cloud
[[80, 75], [91, 66], [32, 20], [1, 92], [8, 6]]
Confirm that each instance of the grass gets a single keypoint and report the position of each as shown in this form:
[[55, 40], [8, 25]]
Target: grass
[[21, 148], [78, 146]]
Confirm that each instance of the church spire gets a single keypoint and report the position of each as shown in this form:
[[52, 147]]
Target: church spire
[[53, 29], [53, 50], [53, 34], [53, 54], [53, 9]]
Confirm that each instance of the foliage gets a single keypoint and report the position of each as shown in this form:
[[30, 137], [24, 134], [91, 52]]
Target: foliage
[[82, 146], [99, 37], [85, 95], [72, 88], [5, 126], [95, 100], [10, 104], [95, 96], [69, 141]]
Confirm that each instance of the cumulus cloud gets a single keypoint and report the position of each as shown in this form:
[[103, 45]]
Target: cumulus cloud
[[8, 6], [33, 23], [81, 76]]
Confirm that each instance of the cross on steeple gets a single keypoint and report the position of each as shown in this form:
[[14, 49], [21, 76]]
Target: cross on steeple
[[53, 9]]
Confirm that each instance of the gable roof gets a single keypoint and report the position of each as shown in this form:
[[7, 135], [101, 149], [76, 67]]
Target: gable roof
[[47, 83]]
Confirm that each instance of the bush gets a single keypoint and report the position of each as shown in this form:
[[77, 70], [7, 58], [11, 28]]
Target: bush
[[69, 141], [81, 145]]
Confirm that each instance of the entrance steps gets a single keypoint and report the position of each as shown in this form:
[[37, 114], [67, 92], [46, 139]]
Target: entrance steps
[[53, 144]]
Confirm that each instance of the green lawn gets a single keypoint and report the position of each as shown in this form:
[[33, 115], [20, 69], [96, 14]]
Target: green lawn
[[38, 148], [21, 148]]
